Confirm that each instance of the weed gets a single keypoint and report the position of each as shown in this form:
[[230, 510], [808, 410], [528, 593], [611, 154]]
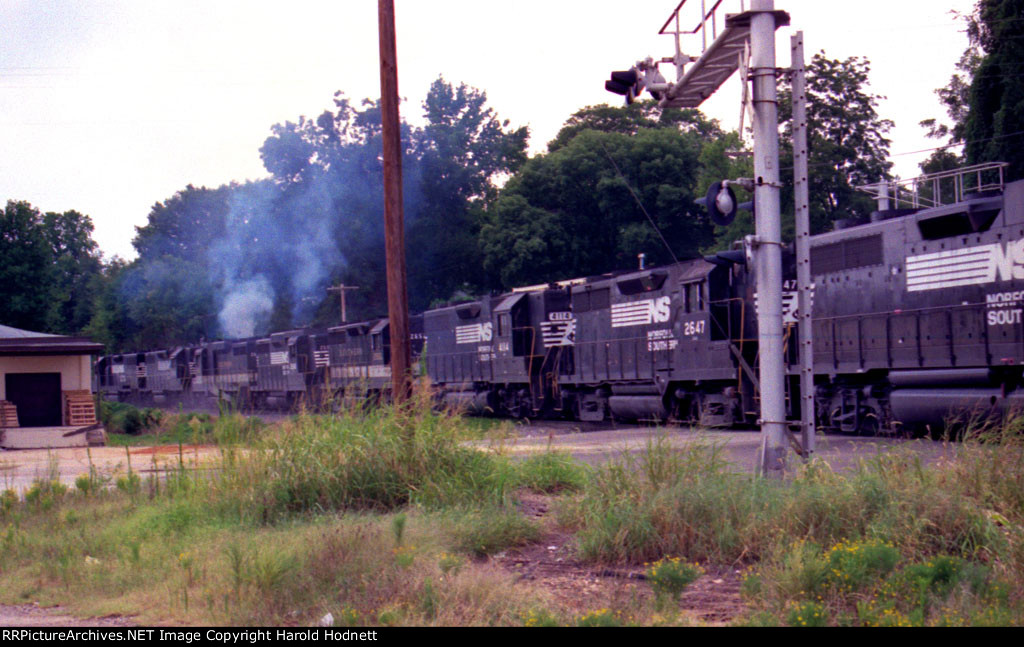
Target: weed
[[348, 617], [852, 565], [551, 472], [404, 556], [44, 494], [450, 564], [429, 600], [271, 569], [487, 532], [669, 577], [806, 614], [130, 484], [600, 618], [398, 527], [8, 499], [540, 618]]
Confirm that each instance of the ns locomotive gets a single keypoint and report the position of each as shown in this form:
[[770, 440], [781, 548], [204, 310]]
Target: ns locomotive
[[917, 314]]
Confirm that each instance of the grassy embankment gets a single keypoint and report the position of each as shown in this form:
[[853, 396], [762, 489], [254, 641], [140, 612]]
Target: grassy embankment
[[380, 518]]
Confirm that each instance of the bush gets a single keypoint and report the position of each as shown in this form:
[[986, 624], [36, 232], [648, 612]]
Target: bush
[[551, 472], [487, 532], [852, 565], [670, 576]]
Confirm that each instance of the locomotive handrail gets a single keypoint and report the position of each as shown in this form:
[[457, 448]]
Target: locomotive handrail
[[935, 183], [961, 306]]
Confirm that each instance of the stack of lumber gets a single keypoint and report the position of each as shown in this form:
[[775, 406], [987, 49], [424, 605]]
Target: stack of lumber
[[8, 414], [79, 409]]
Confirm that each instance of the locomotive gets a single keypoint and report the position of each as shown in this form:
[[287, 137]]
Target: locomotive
[[917, 313]]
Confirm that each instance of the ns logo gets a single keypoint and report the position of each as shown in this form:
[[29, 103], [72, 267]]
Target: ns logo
[[642, 313], [474, 333]]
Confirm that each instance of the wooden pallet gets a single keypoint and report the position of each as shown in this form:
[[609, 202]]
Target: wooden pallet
[[8, 415], [79, 409]]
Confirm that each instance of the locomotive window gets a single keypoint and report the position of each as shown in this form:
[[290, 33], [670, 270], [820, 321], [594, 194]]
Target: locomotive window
[[503, 325], [693, 297]]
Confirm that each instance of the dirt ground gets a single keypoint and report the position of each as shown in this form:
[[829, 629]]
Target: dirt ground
[[552, 564], [29, 615]]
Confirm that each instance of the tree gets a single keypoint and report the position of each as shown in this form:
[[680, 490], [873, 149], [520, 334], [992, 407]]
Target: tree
[[329, 174], [631, 119], [27, 272], [984, 98], [572, 212], [51, 269], [993, 127], [76, 270], [184, 225], [846, 140], [462, 150], [110, 324]]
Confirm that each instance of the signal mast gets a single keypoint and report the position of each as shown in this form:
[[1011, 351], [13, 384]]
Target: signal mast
[[747, 43]]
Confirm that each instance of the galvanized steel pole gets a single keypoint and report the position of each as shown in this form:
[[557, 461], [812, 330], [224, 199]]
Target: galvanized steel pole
[[398, 303], [803, 244], [769, 238]]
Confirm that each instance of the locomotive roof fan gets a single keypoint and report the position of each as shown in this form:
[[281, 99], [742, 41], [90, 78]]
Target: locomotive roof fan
[[720, 203]]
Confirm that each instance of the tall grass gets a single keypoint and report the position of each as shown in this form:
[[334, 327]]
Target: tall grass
[[688, 503], [380, 460]]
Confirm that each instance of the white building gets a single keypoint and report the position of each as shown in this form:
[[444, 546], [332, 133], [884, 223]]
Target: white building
[[45, 388]]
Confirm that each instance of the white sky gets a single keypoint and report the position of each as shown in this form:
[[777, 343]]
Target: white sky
[[108, 106]]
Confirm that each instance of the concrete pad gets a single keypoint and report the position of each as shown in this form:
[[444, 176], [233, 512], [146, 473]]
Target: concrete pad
[[20, 468], [43, 438]]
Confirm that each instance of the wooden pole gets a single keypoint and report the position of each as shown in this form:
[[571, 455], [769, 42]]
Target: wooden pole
[[398, 304]]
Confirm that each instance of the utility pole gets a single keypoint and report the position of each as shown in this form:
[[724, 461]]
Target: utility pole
[[398, 302], [769, 237], [801, 193], [341, 289]]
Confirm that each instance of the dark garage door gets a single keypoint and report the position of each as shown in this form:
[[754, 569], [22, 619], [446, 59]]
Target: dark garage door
[[37, 396]]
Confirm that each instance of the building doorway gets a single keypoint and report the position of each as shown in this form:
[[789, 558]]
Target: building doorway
[[37, 396]]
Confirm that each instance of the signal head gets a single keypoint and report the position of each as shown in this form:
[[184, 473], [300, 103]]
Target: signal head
[[720, 203]]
